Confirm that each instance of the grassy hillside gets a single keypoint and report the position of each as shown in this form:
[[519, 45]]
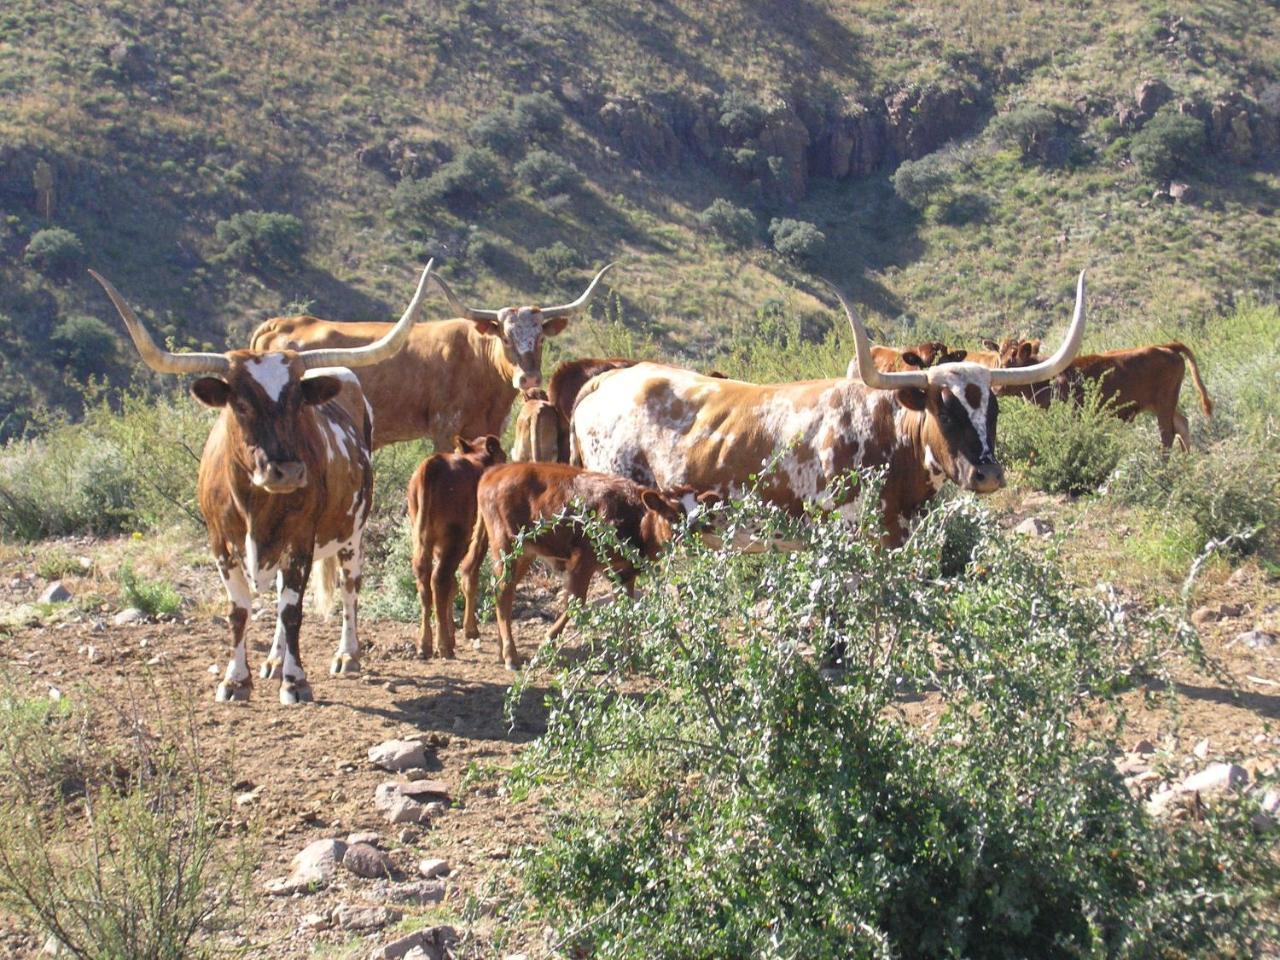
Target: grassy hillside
[[159, 122]]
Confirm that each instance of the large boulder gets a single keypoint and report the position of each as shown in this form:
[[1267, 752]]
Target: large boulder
[[644, 132], [1151, 95], [785, 137]]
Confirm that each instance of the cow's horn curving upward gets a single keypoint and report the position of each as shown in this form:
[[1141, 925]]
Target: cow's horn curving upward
[[378, 350], [871, 375], [460, 308], [565, 309], [1047, 369], [162, 361]]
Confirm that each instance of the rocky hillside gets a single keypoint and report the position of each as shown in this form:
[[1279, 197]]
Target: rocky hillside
[[223, 164]]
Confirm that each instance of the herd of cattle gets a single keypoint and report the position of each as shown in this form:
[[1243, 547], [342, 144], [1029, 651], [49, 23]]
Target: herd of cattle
[[286, 478]]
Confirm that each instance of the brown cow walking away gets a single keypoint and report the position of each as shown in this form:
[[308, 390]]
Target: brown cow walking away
[[454, 377], [516, 496], [540, 435], [285, 480], [442, 514]]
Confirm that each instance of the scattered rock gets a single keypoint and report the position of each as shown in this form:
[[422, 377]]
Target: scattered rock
[[422, 789], [351, 917], [433, 868], [315, 921], [408, 836], [366, 860], [1151, 95], [404, 810], [313, 868], [423, 941], [248, 796], [1215, 612], [365, 836], [55, 593], [1258, 639], [1181, 192], [128, 615], [414, 892], [54, 694], [1216, 778], [1201, 750], [396, 755], [1034, 527], [1145, 747]]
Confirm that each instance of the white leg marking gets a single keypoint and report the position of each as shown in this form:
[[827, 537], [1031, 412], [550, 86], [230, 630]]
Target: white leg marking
[[238, 590]]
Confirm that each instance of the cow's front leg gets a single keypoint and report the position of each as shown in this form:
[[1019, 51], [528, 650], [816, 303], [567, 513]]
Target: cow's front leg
[[237, 682], [294, 687], [271, 667], [346, 662]]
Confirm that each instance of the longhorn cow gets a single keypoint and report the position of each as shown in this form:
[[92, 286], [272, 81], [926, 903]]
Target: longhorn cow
[[285, 481], [663, 427]]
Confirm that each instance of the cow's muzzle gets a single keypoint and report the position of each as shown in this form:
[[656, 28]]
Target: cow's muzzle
[[986, 476], [280, 476], [527, 381]]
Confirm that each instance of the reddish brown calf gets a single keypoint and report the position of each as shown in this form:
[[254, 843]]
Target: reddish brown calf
[[516, 496], [541, 434], [442, 514]]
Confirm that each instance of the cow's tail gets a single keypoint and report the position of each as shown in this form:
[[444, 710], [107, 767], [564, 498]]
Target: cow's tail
[[1205, 402], [325, 577]]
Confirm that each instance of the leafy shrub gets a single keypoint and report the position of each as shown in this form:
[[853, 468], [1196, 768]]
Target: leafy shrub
[[69, 481], [474, 176], [152, 597], [741, 114], [55, 252], [548, 173], [1035, 131], [1068, 448], [733, 224], [498, 131], [1170, 143], [916, 182], [85, 344], [797, 240], [537, 113], [112, 847], [717, 794], [555, 262], [259, 240]]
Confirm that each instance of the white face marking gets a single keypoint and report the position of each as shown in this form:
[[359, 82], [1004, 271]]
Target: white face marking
[[271, 372], [955, 378], [522, 335]]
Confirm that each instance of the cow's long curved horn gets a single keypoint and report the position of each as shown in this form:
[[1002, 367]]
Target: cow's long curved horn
[[550, 313], [460, 308], [871, 375], [161, 361], [1047, 369], [378, 350]]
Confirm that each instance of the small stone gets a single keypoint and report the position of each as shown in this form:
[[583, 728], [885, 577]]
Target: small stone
[[213, 670], [1201, 750], [55, 593], [1145, 747], [396, 755], [433, 868], [437, 808], [408, 836], [128, 615], [421, 789], [1216, 612], [365, 836], [366, 860], [249, 796], [420, 940], [55, 695], [404, 810], [91, 653], [1034, 527], [415, 892], [315, 921], [313, 867], [1258, 639], [1216, 778], [350, 917]]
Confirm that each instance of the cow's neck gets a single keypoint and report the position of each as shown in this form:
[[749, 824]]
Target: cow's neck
[[503, 369], [914, 480]]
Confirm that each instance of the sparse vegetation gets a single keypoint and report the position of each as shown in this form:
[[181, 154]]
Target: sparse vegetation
[[152, 597], [733, 224]]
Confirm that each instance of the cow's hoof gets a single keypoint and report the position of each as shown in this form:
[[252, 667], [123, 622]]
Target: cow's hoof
[[295, 693], [471, 633], [228, 691], [271, 669], [449, 654], [476, 643], [512, 665], [345, 665]]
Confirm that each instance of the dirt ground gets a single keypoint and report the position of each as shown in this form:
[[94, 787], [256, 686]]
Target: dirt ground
[[301, 774]]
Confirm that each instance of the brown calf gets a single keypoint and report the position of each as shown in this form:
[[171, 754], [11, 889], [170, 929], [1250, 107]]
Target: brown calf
[[516, 496], [442, 513], [541, 435]]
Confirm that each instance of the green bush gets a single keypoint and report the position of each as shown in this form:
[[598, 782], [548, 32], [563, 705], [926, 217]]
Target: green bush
[[555, 262], [735, 225], [1169, 144], [537, 113], [84, 344], [1068, 448], [55, 252], [547, 173], [1035, 131], [152, 597], [473, 177], [259, 240], [797, 240], [916, 182], [498, 131], [716, 793]]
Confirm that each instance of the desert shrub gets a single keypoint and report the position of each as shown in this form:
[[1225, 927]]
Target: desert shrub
[[916, 182], [69, 481], [84, 344], [152, 597], [55, 252], [1035, 131], [112, 845], [548, 173], [1170, 143], [717, 793], [473, 176], [261, 240], [733, 224], [797, 240], [537, 113], [498, 131], [555, 262], [741, 114], [1068, 448]]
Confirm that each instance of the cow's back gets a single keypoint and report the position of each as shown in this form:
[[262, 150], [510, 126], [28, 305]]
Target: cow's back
[[569, 378]]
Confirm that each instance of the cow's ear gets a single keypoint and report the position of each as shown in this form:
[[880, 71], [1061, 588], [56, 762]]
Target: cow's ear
[[989, 344], [655, 501], [955, 356], [913, 359], [494, 448], [1027, 350], [211, 391], [459, 444], [554, 327], [317, 390], [913, 398], [488, 328]]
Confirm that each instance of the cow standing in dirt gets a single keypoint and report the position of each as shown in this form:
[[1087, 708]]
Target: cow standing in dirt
[[442, 515], [662, 426], [541, 435], [285, 481], [454, 377]]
